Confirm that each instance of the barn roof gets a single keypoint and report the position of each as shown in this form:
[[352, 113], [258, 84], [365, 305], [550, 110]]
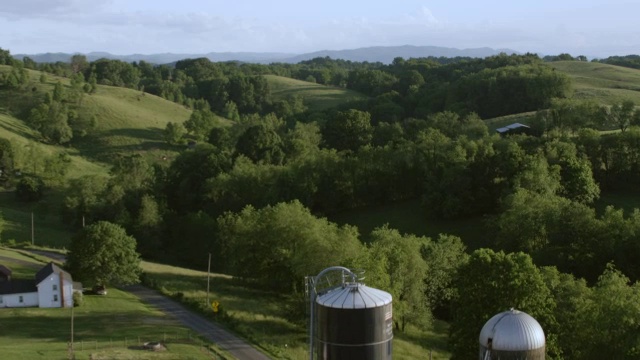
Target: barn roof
[[17, 287], [49, 269], [513, 126]]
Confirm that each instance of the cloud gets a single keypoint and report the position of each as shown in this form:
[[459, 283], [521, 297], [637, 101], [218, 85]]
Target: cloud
[[16, 10]]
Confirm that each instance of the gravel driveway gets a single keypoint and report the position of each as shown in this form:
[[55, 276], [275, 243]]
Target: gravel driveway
[[214, 333]]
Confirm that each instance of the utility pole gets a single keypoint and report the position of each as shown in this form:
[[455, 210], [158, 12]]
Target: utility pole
[[32, 230], [208, 277], [72, 350]]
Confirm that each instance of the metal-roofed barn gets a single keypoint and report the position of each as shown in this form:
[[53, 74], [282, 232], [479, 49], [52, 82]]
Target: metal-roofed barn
[[512, 335], [515, 128], [354, 322]]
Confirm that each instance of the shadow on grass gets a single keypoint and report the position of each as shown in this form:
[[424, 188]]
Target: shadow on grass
[[142, 134], [18, 130]]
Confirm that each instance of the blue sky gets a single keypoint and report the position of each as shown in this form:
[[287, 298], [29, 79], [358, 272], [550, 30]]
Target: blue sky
[[588, 27]]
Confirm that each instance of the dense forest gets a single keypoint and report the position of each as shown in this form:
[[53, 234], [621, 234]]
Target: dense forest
[[257, 192]]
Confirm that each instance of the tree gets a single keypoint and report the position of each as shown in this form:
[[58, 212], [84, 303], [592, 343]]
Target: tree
[[404, 275], [79, 63], [30, 189], [261, 143], [279, 245], [200, 123], [444, 256], [348, 130], [103, 254], [491, 283], [621, 114], [59, 94], [173, 133]]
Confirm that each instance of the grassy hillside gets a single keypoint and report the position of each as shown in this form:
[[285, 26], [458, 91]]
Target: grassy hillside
[[316, 96], [126, 120], [604, 83]]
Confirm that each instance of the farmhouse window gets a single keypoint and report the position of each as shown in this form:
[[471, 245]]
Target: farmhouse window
[[55, 297], [20, 299], [0, 299], [55, 287]]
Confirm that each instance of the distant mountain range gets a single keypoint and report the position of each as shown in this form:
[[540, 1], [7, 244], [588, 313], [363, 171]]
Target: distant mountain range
[[383, 54]]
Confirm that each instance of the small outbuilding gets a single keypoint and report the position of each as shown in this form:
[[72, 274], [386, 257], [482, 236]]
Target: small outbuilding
[[512, 335], [515, 128]]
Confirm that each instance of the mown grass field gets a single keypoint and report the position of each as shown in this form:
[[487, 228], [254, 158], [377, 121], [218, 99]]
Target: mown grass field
[[315, 96], [607, 84], [261, 318], [105, 327]]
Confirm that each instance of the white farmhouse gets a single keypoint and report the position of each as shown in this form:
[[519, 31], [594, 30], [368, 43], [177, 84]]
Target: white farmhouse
[[52, 287]]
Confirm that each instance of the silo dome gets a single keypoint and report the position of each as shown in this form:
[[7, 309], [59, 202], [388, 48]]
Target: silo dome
[[354, 296], [513, 335], [354, 322]]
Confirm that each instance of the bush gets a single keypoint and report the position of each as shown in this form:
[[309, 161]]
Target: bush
[[78, 299]]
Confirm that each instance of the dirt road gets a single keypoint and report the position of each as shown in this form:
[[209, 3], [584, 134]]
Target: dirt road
[[214, 333]]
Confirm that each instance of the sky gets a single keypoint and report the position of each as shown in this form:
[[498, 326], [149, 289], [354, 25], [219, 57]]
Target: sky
[[587, 27]]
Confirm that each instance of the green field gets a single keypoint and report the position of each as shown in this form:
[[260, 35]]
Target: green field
[[260, 317], [315, 96], [105, 327], [408, 217], [604, 83]]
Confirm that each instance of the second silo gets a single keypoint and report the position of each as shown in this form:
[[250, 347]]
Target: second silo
[[512, 335], [354, 322]]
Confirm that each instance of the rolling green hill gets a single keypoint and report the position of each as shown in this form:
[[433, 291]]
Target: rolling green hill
[[125, 119], [604, 83], [316, 96]]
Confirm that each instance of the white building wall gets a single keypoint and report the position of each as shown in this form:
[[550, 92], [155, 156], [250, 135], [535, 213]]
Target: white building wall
[[49, 294], [50, 297], [13, 300]]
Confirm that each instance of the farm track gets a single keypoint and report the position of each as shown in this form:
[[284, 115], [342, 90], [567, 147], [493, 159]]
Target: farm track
[[212, 332]]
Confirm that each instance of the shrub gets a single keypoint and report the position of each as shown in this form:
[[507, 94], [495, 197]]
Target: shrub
[[78, 299]]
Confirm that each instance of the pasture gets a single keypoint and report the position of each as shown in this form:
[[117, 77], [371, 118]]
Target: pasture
[[315, 96], [606, 84]]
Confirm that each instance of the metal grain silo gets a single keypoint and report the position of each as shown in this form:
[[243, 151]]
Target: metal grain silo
[[512, 335], [354, 322]]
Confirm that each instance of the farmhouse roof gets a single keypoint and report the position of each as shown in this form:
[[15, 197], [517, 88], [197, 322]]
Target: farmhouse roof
[[5, 271], [49, 269], [17, 287], [513, 126]]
